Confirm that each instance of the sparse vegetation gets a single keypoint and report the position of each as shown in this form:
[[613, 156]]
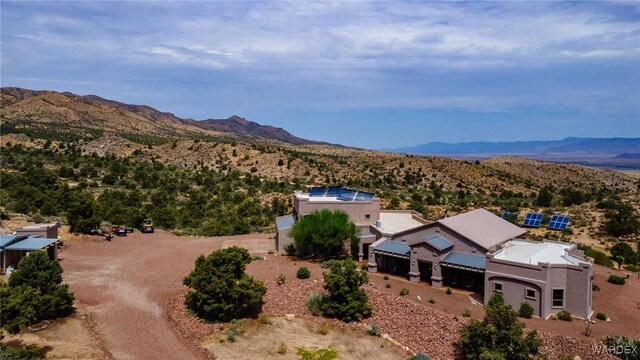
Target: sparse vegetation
[[466, 312], [449, 292], [281, 279], [372, 330], [601, 316], [264, 319], [317, 354], [404, 292], [314, 303], [419, 356]]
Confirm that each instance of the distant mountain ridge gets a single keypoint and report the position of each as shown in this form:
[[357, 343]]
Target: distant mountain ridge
[[64, 110], [571, 146]]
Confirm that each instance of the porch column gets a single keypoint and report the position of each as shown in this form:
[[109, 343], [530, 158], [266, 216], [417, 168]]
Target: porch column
[[414, 272], [372, 266], [436, 275]]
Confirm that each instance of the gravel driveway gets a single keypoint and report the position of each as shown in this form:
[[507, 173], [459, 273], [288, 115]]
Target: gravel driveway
[[127, 281]]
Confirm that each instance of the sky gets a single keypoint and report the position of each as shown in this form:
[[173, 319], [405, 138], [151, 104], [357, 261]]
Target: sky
[[378, 75]]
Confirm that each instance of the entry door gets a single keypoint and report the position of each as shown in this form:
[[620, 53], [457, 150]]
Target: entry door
[[426, 270]]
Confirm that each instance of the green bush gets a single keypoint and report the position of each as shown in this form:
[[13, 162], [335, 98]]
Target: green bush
[[386, 277], [314, 303], [324, 233], [264, 319], [621, 342], [303, 273], [500, 335], [595, 287], [20, 352], [231, 334], [419, 356], [616, 280], [601, 316], [631, 267], [290, 249], [317, 354], [404, 292], [564, 316], [598, 257], [372, 330], [431, 301], [525, 311], [346, 300], [281, 279], [35, 292], [466, 313], [221, 290], [449, 291]]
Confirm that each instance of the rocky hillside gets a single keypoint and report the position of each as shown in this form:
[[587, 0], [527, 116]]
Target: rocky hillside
[[91, 115]]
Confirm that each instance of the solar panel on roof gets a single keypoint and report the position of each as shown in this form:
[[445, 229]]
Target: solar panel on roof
[[317, 191], [333, 191], [558, 222], [346, 194], [532, 220]]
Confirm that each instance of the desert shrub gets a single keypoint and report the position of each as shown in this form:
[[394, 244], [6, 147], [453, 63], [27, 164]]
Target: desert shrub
[[624, 343], [322, 330], [419, 356], [220, 288], [346, 300], [264, 319], [525, 311], [364, 267], [231, 334], [372, 330], [388, 286], [303, 273], [500, 335], [282, 349], [317, 354], [622, 220], [449, 291], [314, 303], [404, 292], [598, 257], [20, 352], [281, 279], [466, 313], [616, 280], [564, 316], [327, 263], [601, 316], [290, 249], [386, 277], [35, 292], [595, 287], [631, 267]]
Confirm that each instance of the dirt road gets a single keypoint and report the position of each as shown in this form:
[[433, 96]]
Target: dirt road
[[127, 281]]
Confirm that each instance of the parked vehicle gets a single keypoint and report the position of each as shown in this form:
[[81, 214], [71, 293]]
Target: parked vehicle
[[119, 230], [147, 226]]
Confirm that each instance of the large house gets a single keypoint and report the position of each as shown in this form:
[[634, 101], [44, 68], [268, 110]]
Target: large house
[[476, 250]]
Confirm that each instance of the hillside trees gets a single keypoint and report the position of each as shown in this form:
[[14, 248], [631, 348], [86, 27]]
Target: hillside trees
[[499, 335], [221, 290], [545, 196], [623, 253], [323, 232], [622, 219], [35, 292]]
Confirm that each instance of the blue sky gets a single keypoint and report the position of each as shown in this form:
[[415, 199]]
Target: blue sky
[[367, 74]]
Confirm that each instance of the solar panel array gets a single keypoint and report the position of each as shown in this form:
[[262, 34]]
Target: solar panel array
[[532, 220], [558, 222], [340, 193]]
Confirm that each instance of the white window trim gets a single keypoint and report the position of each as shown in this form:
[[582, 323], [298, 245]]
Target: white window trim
[[527, 296], [501, 287], [564, 295]]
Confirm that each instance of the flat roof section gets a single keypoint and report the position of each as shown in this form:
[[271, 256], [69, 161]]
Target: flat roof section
[[392, 222], [529, 252]]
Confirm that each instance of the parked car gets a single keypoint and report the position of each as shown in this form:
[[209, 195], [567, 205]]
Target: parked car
[[119, 230]]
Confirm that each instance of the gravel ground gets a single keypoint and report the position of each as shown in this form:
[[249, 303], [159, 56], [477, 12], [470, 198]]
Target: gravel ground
[[127, 282]]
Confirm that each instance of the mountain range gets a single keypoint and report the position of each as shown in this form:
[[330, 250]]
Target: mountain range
[[90, 113], [571, 146]]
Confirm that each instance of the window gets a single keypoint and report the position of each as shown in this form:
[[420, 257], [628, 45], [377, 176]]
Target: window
[[367, 216], [497, 287], [530, 294], [557, 299]]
